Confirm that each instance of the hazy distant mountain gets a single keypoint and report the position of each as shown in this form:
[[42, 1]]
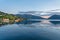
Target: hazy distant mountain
[[55, 17], [39, 13], [29, 16], [54, 13], [31, 12]]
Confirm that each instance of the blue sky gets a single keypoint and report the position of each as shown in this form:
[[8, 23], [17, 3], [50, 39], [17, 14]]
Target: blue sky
[[14, 6]]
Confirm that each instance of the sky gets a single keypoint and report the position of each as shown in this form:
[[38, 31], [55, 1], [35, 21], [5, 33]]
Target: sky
[[15, 6]]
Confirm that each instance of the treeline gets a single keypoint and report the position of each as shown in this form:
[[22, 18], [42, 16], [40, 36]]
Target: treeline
[[8, 16]]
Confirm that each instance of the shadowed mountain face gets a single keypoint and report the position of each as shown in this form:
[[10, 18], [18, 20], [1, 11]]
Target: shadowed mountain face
[[55, 17], [55, 22], [29, 16]]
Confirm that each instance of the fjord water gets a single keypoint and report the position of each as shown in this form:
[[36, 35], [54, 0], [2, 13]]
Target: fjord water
[[31, 30]]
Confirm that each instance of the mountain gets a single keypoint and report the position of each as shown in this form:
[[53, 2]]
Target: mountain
[[55, 17], [29, 16], [37, 13]]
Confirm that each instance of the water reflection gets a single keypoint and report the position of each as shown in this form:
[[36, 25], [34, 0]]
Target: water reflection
[[42, 22], [50, 23], [27, 22], [31, 30], [46, 23]]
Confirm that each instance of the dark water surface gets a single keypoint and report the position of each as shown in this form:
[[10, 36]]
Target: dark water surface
[[31, 30]]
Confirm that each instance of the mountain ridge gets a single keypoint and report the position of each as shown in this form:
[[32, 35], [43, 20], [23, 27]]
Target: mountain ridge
[[29, 16]]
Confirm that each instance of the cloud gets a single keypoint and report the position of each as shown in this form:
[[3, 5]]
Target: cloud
[[51, 12], [38, 13], [56, 9]]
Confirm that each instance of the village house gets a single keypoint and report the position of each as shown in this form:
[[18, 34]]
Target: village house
[[18, 20], [5, 20]]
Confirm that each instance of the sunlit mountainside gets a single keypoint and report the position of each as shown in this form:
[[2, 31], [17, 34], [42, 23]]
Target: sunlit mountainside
[[9, 18]]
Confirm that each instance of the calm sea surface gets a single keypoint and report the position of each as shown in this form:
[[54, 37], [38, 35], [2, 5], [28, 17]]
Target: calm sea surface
[[31, 30]]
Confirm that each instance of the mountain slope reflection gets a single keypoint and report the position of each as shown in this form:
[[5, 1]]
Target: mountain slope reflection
[[45, 23], [27, 22], [36, 30], [41, 22], [49, 22], [55, 22]]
